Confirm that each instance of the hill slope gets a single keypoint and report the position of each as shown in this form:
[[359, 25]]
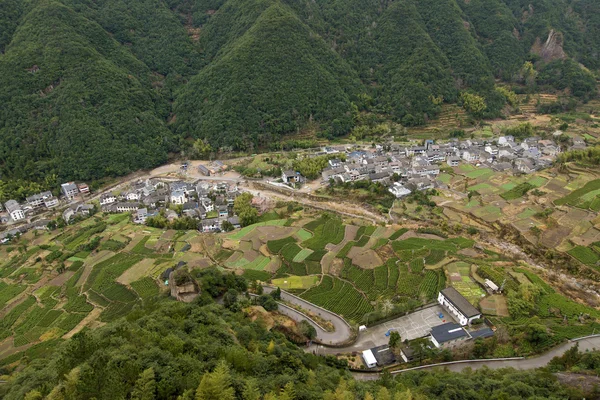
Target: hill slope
[[272, 80], [100, 88]]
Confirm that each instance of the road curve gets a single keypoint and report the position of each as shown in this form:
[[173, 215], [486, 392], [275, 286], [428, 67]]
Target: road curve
[[585, 344], [342, 332]]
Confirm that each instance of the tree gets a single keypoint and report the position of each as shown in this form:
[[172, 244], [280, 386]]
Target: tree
[[307, 330], [251, 391], [242, 206], [216, 385], [227, 226], [473, 104], [395, 340], [384, 394], [276, 294], [201, 148], [421, 348], [230, 299], [145, 386]]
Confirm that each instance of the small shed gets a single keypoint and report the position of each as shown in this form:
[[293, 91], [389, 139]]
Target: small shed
[[369, 359]]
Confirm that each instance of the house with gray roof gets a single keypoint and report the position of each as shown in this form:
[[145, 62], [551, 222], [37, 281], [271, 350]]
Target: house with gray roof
[[458, 305], [448, 335]]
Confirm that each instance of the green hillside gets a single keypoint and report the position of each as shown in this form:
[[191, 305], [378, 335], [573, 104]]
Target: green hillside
[[272, 80], [101, 88]]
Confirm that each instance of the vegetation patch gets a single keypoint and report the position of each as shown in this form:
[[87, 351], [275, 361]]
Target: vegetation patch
[[518, 191]]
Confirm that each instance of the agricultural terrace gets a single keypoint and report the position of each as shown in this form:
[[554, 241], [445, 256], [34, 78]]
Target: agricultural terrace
[[552, 208], [53, 284]]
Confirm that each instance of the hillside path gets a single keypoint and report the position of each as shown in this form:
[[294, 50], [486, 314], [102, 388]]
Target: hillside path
[[585, 344], [342, 332]]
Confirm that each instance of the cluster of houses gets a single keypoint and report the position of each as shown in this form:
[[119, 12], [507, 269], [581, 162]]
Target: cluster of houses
[[406, 169], [16, 211], [210, 203], [446, 335]]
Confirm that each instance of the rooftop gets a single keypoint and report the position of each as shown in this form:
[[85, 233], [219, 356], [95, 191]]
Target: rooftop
[[459, 301], [447, 332]]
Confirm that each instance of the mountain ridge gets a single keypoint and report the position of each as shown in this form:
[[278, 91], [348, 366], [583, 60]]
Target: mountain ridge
[[118, 85]]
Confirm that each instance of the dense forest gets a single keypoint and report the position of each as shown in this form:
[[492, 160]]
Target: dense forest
[[205, 351], [91, 89]]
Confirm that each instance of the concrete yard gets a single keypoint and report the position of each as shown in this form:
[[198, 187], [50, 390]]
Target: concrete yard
[[411, 326]]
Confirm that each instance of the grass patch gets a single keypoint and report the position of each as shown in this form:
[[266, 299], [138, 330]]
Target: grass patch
[[296, 282], [518, 191]]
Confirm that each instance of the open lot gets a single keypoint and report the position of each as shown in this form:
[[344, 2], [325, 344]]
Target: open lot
[[414, 325]]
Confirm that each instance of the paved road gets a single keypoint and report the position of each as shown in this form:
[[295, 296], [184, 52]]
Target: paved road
[[592, 343], [342, 332]]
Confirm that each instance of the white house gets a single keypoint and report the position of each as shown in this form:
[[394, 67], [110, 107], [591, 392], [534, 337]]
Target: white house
[[69, 189], [178, 197], [140, 216], [458, 305], [369, 359], [448, 335], [107, 199], [453, 161], [399, 190], [126, 207], [49, 200], [132, 196], [208, 205], [14, 210]]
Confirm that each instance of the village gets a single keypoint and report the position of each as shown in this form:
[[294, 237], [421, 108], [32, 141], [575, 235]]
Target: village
[[403, 169], [412, 168]]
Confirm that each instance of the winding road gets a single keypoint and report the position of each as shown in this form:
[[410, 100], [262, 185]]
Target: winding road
[[585, 344], [342, 333]]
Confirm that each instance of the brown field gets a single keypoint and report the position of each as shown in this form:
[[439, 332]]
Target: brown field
[[196, 245], [137, 271], [273, 265], [266, 233], [366, 259], [494, 305]]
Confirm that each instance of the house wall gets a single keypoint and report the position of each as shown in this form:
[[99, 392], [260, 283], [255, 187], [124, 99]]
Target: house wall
[[462, 319]]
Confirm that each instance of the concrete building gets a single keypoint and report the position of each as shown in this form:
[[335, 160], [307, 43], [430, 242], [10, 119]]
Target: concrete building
[[458, 305], [448, 335], [14, 210], [69, 189], [369, 359]]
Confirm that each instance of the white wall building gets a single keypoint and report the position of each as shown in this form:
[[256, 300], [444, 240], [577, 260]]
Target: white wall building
[[369, 359], [458, 305], [14, 210]]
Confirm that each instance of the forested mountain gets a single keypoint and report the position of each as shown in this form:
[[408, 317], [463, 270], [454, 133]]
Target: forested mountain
[[100, 88], [203, 351]]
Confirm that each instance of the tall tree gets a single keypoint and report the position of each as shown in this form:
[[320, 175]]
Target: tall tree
[[216, 385]]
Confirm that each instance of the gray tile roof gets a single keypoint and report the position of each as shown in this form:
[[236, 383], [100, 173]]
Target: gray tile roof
[[447, 332], [459, 301]]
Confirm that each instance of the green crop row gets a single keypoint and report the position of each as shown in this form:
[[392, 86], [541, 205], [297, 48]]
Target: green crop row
[[585, 255], [275, 246], [145, 287]]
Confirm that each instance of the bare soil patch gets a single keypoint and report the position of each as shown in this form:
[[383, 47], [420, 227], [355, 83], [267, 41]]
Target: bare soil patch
[[336, 266], [366, 259], [168, 235], [469, 252], [196, 245], [137, 271], [92, 316], [267, 233], [494, 305], [273, 265], [200, 263], [386, 252], [264, 250]]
